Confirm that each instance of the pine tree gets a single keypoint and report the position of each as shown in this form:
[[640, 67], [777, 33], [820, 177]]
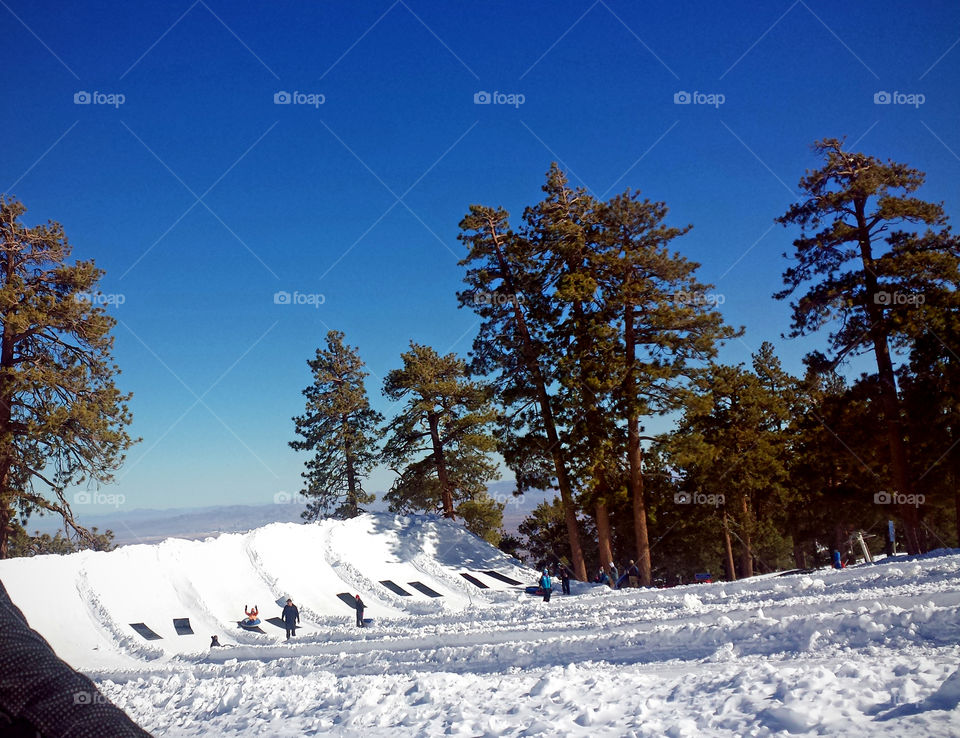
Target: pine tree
[[506, 288], [864, 283], [562, 232], [666, 327], [62, 419], [732, 442], [440, 442], [342, 431]]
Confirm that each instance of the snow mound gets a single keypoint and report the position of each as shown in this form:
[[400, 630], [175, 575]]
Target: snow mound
[[89, 600]]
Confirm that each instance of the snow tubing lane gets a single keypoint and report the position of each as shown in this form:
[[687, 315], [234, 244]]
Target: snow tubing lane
[[473, 580], [144, 631], [425, 589], [395, 588]]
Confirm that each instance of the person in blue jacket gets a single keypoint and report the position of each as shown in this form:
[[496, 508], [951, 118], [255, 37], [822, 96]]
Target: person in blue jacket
[[546, 584], [290, 616]]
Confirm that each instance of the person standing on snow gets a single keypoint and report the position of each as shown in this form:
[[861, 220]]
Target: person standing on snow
[[614, 575], [359, 607], [291, 617], [633, 575], [564, 579], [546, 584]]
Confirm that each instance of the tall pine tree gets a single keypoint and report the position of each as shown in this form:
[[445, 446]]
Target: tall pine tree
[[851, 276], [440, 442], [342, 431], [62, 419]]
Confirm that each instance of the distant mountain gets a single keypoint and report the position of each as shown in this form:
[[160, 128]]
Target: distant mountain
[[197, 523]]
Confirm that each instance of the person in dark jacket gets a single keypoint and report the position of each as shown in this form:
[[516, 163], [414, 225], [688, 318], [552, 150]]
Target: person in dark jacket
[[291, 617], [214, 641], [633, 574], [359, 607], [42, 695], [564, 579]]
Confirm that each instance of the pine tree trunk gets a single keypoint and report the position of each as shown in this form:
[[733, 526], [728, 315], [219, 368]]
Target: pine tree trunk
[[635, 456], [602, 518], [352, 487], [888, 387], [351, 475], [446, 494], [799, 557], [728, 550], [7, 495], [746, 555], [956, 509], [532, 363]]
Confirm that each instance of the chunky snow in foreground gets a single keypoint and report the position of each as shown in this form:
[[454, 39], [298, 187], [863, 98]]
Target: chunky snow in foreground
[[867, 651]]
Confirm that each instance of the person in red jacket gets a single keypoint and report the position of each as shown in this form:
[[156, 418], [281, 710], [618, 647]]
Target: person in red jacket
[[359, 605]]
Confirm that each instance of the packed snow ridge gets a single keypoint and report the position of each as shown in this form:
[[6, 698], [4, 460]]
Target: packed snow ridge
[[867, 651]]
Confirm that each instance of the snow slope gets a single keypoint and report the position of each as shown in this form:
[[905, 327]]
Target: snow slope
[[88, 601], [869, 651]]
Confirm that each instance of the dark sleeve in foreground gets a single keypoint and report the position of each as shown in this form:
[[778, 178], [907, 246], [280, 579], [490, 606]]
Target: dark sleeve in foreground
[[39, 688]]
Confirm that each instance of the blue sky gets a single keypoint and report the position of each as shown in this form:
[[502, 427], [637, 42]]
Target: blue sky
[[202, 198]]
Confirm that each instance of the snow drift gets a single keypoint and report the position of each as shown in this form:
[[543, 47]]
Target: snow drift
[[86, 604]]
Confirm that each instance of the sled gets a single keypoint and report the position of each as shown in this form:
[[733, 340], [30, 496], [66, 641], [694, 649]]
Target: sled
[[538, 591], [251, 625]]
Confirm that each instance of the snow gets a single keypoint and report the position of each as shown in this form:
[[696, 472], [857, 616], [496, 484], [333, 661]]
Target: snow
[[872, 650]]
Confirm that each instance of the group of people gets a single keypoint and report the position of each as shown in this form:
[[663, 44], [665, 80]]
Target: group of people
[[612, 577], [546, 581], [290, 617], [608, 575]]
